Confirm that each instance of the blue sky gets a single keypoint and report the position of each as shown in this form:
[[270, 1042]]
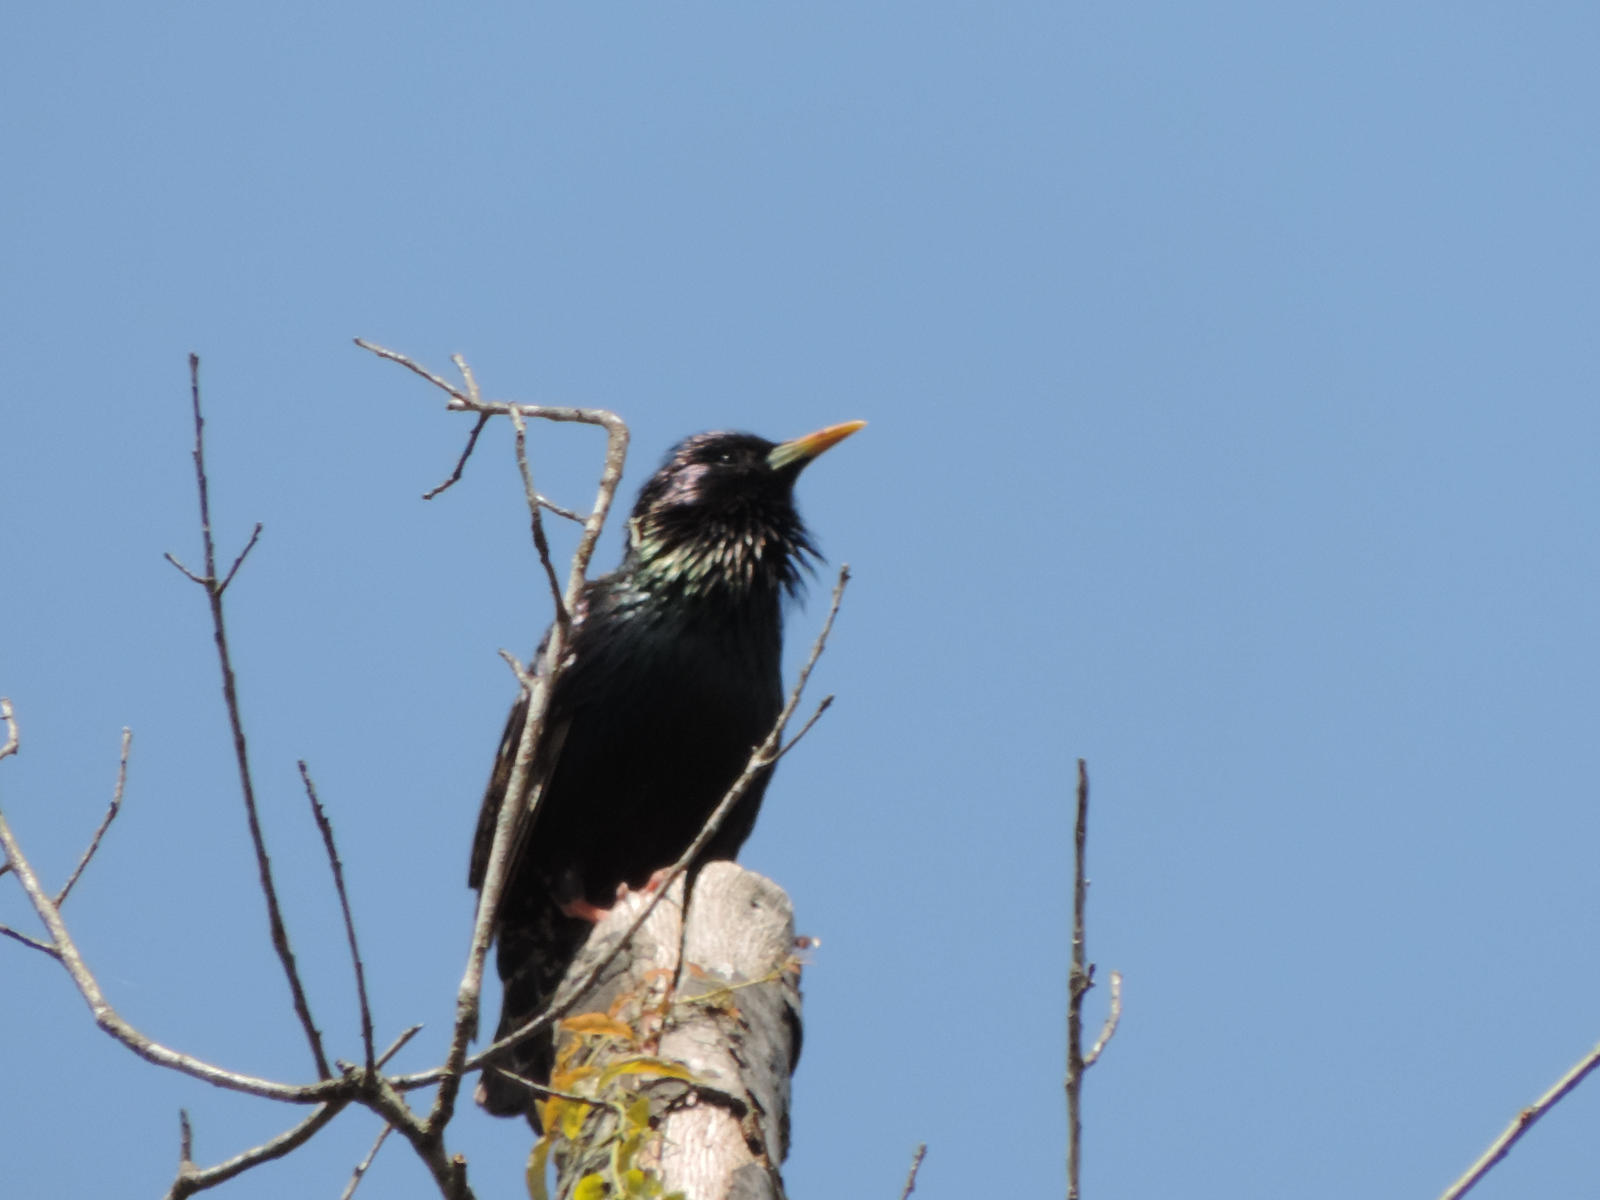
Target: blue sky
[[1232, 382]]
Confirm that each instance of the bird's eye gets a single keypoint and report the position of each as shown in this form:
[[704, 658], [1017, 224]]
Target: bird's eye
[[725, 458]]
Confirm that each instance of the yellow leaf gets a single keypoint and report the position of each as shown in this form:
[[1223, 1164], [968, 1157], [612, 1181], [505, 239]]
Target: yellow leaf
[[567, 1080], [597, 1025], [645, 1064], [639, 1113], [627, 1149], [536, 1168], [572, 1118], [591, 1187]]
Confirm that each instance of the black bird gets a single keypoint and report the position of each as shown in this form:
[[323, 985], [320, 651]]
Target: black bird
[[672, 678]]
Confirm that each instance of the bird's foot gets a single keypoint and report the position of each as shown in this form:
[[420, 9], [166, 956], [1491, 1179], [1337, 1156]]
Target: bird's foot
[[585, 911], [653, 884], [594, 914]]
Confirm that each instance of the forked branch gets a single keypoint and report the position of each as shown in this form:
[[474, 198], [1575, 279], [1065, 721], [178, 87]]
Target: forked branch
[[1079, 980], [214, 587], [1520, 1125], [466, 398]]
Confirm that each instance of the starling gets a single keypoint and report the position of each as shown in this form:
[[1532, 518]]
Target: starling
[[672, 678]]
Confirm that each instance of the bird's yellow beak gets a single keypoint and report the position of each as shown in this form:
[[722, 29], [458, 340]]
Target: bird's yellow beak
[[803, 449]]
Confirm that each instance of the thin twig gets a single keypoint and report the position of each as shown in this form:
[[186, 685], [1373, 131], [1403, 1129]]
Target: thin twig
[[1113, 1016], [760, 760], [546, 502], [512, 802], [13, 740], [544, 1089], [108, 1019], [31, 942], [1079, 980], [517, 668], [541, 544], [365, 1164], [461, 465], [255, 535], [822, 707], [1520, 1125], [395, 1046], [467, 377], [192, 1179], [214, 589], [449, 1172], [512, 812], [105, 822], [6, 751], [325, 827], [911, 1176], [395, 356], [193, 578]]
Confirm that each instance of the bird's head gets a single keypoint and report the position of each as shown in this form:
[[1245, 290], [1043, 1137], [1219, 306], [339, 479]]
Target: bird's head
[[719, 514]]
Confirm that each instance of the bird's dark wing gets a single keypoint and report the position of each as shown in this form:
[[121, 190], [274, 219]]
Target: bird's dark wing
[[499, 779], [536, 939], [545, 759]]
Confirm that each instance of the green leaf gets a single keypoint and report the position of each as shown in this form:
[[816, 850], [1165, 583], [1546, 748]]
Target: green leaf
[[639, 1113], [536, 1169]]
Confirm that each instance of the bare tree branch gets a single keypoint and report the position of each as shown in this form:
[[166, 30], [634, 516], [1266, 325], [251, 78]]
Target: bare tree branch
[[552, 506], [461, 463], [13, 741], [511, 813], [31, 942], [326, 829], [1113, 1016], [399, 1043], [105, 823], [192, 1179], [1080, 979], [536, 517], [63, 948], [822, 707], [365, 1164], [366, 1085], [449, 1171], [536, 502], [6, 751], [214, 589], [255, 535], [911, 1176], [1520, 1125]]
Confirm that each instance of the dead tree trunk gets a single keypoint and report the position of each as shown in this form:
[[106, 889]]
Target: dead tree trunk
[[685, 1064]]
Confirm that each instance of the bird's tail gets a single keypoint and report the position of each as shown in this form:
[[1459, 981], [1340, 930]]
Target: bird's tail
[[537, 946]]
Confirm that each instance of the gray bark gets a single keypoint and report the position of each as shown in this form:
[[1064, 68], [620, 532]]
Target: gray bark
[[730, 1014]]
